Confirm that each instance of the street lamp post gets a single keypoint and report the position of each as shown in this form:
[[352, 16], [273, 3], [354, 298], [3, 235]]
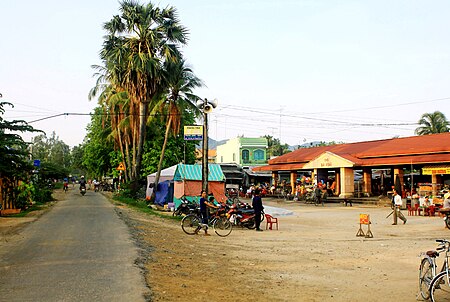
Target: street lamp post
[[206, 107]]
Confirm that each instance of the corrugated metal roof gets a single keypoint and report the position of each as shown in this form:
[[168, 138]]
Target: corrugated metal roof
[[194, 172]]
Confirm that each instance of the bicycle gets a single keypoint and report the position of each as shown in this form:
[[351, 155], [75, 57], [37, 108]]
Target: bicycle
[[428, 266], [192, 223], [440, 285]]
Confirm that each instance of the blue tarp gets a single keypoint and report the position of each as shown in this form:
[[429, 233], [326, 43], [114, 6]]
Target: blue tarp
[[162, 194]]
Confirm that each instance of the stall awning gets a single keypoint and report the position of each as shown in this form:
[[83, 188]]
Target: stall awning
[[436, 169]]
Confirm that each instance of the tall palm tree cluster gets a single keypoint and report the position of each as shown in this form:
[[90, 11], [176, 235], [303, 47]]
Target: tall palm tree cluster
[[143, 74], [431, 123]]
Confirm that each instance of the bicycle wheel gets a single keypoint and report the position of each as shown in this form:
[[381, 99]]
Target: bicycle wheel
[[440, 287], [222, 227], [191, 224], [425, 276]]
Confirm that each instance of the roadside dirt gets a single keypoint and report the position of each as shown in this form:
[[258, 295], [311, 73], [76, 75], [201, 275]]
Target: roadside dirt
[[314, 256]]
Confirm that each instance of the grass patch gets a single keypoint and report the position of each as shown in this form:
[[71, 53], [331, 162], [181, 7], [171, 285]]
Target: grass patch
[[35, 207], [143, 207]]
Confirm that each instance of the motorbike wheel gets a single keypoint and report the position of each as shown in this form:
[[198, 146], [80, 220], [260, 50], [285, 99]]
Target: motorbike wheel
[[222, 227], [447, 221], [250, 224]]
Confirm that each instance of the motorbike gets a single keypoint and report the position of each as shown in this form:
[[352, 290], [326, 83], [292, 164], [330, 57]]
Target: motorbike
[[83, 190], [242, 215], [186, 207]]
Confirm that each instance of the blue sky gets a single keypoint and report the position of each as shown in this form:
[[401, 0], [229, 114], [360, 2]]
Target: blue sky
[[299, 70]]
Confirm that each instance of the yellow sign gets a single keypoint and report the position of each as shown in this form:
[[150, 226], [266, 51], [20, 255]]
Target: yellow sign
[[193, 133], [436, 170], [364, 219], [121, 167]]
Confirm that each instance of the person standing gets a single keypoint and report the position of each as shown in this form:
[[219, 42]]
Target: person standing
[[204, 204], [258, 208], [397, 200]]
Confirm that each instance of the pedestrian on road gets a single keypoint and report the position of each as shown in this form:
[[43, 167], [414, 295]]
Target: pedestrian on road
[[258, 208], [397, 200]]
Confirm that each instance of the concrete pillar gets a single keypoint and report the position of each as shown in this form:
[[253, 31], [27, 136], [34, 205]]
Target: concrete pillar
[[367, 177], [275, 179], [314, 176], [434, 181], [399, 172], [293, 181], [338, 183], [347, 182]]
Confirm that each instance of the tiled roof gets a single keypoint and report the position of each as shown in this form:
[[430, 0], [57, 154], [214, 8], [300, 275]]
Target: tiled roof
[[424, 149]]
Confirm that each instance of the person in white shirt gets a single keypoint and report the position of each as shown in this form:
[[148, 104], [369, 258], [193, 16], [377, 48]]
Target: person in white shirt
[[397, 204]]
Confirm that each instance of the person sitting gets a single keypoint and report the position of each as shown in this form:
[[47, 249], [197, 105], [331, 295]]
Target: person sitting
[[426, 206]]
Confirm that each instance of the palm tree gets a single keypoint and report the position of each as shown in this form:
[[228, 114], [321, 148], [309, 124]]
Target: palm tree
[[138, 43], [180, 81], [432, 123]]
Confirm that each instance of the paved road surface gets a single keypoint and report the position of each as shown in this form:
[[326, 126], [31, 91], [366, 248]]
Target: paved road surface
[[79, 251]]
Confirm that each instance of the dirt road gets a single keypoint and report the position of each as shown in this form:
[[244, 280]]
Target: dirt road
[[315, 256]]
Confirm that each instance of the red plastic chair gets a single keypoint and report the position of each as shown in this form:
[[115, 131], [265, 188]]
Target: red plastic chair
[[410, 210], [417, 210], [270, 221], [431, 210]]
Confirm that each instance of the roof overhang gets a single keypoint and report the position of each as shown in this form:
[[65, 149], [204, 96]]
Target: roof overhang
[[280, 167]]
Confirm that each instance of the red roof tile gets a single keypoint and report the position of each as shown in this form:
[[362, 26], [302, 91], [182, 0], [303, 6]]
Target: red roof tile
[[424, 149]]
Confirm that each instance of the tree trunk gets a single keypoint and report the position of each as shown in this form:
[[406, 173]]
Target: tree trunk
[[143, 108], [122, 151], [161, 158]]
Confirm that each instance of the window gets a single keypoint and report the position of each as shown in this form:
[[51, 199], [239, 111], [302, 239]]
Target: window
[[258, 155], [234, 156], [221, 159], [245, 155]]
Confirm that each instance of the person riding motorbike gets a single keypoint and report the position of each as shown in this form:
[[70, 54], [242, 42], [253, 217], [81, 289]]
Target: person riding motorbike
[[82, 183], [66, 184]]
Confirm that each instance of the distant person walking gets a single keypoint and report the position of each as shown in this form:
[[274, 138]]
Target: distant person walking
[[258, 208], [397, 201]]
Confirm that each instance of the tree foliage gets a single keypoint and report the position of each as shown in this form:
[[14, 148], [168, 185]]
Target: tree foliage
[[14, 153], [432, 123], [51, 150], [275, 148], [138, 43]]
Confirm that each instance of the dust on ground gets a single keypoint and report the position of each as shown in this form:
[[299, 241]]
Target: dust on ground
[[314, 256]]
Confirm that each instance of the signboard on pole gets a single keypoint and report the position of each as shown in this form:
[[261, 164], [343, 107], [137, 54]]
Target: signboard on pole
[[193, 133], [121, 167], [37, 163]]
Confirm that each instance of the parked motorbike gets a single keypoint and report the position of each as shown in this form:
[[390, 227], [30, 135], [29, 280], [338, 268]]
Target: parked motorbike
[[243, 216], [186, 207]]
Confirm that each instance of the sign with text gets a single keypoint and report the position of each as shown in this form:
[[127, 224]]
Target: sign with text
[[193, 133]]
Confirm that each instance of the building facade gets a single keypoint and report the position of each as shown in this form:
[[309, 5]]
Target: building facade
[[424, 159], [244, 151]]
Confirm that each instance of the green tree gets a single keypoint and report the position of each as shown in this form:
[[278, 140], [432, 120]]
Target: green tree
[[431, 123], [51, 150], [97, 148], [138, 43], [275, 148], [14, 157], [181, 82]]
